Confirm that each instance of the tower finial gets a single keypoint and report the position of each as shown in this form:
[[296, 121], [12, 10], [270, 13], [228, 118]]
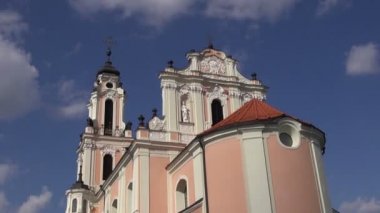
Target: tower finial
[[109, 42], [210, 45], [80, 175]]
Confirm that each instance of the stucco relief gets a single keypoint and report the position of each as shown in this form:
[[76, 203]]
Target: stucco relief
[[185, 89], [213, 65], [107, 149], [217, 92], [111, 94], [168, 85], [234, 93], [255, 95], [88, 144], [156, 124]]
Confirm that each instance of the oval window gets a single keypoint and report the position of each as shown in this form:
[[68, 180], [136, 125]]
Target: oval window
[[286, 139], [109, 85]]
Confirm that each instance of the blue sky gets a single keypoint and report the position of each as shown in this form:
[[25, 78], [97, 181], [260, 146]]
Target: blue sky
[[320, 58]]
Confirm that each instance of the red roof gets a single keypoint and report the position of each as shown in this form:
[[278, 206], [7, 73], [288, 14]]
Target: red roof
[[254, 110]]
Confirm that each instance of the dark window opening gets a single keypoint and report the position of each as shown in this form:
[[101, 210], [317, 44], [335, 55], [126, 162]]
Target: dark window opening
[[84, 206], [217, 111], [108, 116], [109, 85], [107, 166], [74, 206]]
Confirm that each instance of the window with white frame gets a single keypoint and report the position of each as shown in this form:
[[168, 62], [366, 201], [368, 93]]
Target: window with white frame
[[181, 195]]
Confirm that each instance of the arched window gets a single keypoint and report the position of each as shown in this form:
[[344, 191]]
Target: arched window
[[114, 206], [107, 166], [216, 111], [108, 117], [181, 195], [129, 198], [84, 206], [74, 205]]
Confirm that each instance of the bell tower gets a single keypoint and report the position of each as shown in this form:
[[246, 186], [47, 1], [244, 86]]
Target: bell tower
[[106, 136]]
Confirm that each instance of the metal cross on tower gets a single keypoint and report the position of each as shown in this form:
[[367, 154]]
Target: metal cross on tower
[[110, 42]]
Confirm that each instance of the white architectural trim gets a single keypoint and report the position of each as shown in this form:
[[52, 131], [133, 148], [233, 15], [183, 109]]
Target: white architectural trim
[[144, 184], [198, 173], [291, 127], [182, 177], [320, 177], [255, 171]]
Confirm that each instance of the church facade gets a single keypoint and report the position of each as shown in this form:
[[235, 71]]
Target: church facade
[[218, 147]]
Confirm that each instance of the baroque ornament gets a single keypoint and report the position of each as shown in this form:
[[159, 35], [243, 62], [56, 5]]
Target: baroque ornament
[[156, 124], [213, 65]]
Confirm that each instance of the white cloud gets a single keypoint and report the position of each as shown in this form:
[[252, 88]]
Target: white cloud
[[361, 205], [152, 12], [35, 203], [11, 24], [363, 59], [72, 100], [325, 6], [249, 9], [6, 172], [3, 202], [72, 110], [159, 12], [19, 92]]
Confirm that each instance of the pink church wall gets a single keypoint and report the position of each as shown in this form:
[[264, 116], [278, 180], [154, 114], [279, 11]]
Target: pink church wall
[[158, 184], [128, 179], [294, 183], [174, 136], [98, 163], [117, 157], [129, 172], [187, 171], [225, 181], [114, 190]]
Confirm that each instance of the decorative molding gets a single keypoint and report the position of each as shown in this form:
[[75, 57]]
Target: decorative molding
[[107, 149], [88, 144], [252, 95], [234, 93], [168, 85], [217, 92], [213, 65], [157, 136], [156, 124], [110, 93], [185, 89]]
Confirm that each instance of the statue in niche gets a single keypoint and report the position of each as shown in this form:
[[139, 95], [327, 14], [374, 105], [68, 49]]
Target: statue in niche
[[185, 113]]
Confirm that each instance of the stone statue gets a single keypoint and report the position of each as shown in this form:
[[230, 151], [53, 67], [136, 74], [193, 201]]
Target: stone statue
[[185, 113]]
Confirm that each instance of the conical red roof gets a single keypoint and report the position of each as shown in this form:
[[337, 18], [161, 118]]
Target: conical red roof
[[254, 110]]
